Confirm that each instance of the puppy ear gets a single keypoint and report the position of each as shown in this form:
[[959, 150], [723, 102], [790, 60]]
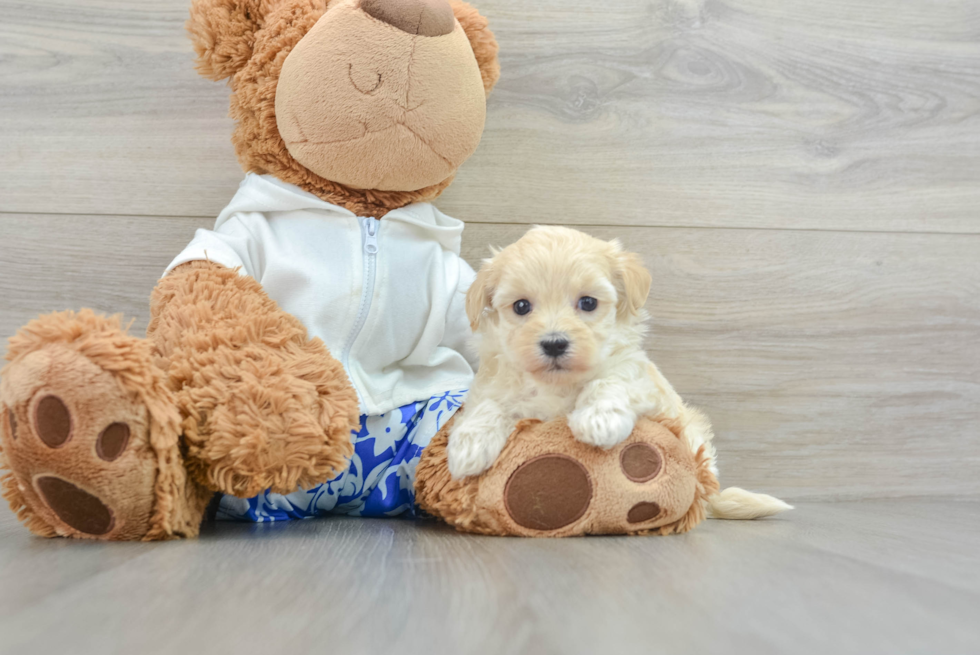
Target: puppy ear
[[632, 282], [479, 296]]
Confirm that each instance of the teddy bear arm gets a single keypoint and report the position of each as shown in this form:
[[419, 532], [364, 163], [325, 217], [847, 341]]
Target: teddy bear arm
[[263, 405]]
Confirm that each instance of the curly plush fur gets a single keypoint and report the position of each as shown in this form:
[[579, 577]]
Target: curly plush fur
[[264, 406], [239, 400]]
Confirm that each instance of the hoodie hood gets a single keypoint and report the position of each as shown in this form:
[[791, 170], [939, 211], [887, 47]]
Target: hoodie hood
[[268, 195]]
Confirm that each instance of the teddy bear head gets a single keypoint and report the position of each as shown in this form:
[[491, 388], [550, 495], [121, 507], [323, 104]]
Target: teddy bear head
[[369, 104]]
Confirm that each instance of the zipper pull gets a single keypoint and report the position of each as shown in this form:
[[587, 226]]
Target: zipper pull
[[371, 226]]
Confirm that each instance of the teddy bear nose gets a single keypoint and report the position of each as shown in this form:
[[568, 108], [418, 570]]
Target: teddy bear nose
[[421, 17]]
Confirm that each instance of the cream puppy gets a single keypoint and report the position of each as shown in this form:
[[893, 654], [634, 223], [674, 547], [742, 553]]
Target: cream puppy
[[559, 322]]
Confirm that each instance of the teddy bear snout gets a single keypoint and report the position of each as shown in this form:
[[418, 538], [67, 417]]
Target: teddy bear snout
[[419, 17], [370, 104]]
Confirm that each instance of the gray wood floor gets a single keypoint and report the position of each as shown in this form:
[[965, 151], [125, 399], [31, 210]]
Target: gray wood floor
[[864, 577]]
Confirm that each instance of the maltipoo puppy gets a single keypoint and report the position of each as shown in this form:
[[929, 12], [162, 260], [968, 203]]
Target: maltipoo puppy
[[559, 323]]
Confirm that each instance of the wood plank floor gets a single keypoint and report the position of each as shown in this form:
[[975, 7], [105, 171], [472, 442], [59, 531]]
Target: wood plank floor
[[886, 576]]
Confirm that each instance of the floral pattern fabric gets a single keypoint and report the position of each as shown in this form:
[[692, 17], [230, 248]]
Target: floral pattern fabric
[[380, 478]]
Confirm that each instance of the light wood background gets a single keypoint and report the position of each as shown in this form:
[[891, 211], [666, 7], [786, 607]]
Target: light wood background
[[803, 179]]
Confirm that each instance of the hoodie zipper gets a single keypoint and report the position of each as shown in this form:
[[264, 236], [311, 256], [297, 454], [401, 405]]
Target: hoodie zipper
[[370, 227]]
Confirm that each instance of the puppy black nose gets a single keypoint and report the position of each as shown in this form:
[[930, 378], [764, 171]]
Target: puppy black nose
[[554, 347]]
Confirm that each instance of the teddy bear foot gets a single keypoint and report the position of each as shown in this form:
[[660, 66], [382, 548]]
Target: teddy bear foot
[[77, 430], [546, 483]]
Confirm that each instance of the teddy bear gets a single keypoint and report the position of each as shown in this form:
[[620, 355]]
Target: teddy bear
[[303, 353]]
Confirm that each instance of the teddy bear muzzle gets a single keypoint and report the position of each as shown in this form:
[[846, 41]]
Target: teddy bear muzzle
[[371, 107]]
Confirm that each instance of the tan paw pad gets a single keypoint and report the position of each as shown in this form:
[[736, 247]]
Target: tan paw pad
[[80, 450]]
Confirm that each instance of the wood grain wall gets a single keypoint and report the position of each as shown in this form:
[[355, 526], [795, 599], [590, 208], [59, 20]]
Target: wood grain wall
[[802, 178]]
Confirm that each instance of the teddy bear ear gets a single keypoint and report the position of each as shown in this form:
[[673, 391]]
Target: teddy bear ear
[[482, 41], [223, 32]]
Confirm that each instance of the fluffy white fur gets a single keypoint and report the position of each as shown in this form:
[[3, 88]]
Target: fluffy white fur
[[601, 383]]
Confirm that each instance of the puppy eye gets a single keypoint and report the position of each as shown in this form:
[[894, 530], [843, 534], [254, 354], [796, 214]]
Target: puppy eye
[[587, 303], [522, 307]]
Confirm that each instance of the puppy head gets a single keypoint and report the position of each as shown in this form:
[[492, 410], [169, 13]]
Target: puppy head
[[556, 301]]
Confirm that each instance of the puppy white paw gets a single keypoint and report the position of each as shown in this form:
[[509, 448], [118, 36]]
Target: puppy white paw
[[471, 453], [603, 424]]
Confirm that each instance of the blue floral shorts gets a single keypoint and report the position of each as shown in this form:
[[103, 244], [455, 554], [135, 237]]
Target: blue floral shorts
[[380, 480]]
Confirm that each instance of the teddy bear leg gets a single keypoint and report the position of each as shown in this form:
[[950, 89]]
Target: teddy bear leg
[[263, 405], [547, 483], [89, 434]]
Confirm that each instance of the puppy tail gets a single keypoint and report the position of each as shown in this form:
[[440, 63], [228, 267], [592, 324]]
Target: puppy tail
[[737, 503]]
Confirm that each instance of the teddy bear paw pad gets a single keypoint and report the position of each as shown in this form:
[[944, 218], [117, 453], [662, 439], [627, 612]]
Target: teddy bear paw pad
[[640, 462], [76, 507], [548, 492], [52, 421], [112, 441], [76, 442], [643, 512]]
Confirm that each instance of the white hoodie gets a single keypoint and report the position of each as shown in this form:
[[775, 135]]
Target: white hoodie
[[386, 296]]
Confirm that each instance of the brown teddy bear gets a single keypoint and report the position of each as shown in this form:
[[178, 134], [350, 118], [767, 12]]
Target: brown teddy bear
[[302, 354]]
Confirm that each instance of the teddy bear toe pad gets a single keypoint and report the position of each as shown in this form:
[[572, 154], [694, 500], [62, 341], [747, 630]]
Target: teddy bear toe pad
[[640, 462], [52, 421], [643, 512]]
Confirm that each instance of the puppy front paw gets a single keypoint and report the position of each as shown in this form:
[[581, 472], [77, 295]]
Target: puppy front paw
[[470, 453], [602, 424]]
